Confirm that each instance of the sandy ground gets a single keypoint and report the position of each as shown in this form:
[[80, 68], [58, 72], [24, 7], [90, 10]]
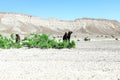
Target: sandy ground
[[98, 59], [94, 60]]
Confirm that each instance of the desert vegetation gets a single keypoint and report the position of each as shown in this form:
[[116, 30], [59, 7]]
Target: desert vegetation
[[6, 43], [112, 36], [116, 39], [86, 39], [34, 41], [78, 39]]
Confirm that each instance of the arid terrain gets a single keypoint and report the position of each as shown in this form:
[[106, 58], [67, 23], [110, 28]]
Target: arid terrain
[[97, 59], [92, 60]]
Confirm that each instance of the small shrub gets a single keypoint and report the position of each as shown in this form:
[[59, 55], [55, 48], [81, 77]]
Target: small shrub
[[86, 39], [97, 36], [112, 36], [72, 44], [57, 36], [59, 40], [116, 39], [61, 36], [75, 36], [7, 43], [54, 37], [78, 40], [106, 36]]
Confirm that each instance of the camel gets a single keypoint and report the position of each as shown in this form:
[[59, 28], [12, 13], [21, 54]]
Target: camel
[[67, 36], [17, 38]]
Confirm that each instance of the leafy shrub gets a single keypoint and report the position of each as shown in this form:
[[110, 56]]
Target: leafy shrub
[[43, 41], [86, 39], [72, 44], [34, 41], [7, 43]]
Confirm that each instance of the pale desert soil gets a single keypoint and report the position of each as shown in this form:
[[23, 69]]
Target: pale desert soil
[[94, 60]]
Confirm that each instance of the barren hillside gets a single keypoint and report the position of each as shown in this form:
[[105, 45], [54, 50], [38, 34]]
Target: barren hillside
[[25, 24]]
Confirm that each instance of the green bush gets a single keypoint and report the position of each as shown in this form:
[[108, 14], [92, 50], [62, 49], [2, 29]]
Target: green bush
[[43, 41], [7, 43], [34, 41]]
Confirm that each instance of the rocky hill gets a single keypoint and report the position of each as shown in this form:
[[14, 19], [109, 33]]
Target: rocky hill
[[25, 24]]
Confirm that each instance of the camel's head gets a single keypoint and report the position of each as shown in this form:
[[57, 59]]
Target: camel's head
[[70, 32]]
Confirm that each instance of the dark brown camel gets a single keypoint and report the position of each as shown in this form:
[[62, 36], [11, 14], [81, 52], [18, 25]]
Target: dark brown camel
[[17, 38], [67, 36]]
